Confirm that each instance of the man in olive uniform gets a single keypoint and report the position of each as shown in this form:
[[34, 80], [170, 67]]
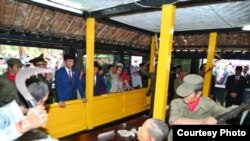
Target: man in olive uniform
[[192, 108], [14, 66], [47, 78]]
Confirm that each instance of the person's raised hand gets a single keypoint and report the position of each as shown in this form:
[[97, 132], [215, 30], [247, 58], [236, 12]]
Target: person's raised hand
[[36, 117]]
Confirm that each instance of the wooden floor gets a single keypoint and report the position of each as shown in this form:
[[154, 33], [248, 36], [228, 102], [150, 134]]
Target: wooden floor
[[93, 135]]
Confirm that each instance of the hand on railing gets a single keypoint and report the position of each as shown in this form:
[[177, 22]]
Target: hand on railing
[[84, 100], [62, 104]]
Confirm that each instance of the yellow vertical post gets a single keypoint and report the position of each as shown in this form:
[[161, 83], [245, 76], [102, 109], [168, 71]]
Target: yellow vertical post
[[152, 55], [209, 64], [164, 60], [90, 49], [151, 63]]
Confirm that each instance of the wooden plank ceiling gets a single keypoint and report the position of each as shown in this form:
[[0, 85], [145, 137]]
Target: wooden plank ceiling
[[240, 39], [26, 17], [23, 16]]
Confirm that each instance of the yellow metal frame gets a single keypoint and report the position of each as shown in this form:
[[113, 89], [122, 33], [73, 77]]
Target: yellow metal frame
[[152, 55], [209, 64], [151, 63], [164, 60], [90, 50], [106, 108]]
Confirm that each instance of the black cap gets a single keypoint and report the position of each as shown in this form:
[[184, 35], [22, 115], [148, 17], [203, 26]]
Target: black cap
[[96, 64], [68, 56], [38, 60], [238, 68]]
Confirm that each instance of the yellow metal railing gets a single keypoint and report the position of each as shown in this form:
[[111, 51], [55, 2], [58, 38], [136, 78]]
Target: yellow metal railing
[[106, 108]]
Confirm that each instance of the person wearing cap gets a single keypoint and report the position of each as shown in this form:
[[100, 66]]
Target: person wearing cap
[[39, 61], [153, 130], [46, 78], [14, 66], [67, 81], [192, 108], [235, 87], [13, 123]]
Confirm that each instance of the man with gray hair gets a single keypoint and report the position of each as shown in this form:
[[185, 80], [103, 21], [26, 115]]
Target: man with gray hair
[[153, 130]]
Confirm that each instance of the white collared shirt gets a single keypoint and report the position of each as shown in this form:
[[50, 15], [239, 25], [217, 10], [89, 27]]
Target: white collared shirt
[[94, 79], [237, 77]]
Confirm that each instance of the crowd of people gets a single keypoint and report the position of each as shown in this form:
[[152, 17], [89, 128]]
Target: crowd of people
[[185, 94], [18, 120], [66, 80]]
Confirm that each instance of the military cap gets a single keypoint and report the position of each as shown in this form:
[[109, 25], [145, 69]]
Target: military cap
[[38, 60], [14, 61], [8, 91], [190, 83]]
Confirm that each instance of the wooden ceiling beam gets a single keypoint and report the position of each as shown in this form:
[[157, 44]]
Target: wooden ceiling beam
[[122, 36], [82, 29], [42, 18], [52, 22], [2, 12], [109, 33], [103, 29], [63, 21], [14, 13], [117, 31], [72, 21], [29, 17], [131, 33]]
